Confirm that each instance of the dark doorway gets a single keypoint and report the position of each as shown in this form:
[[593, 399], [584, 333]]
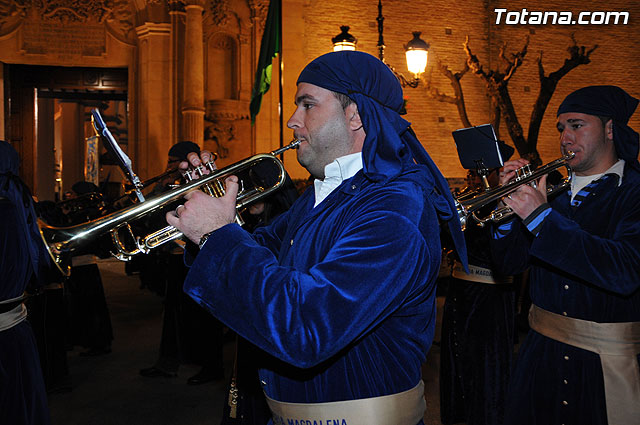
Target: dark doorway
[[49, 123]]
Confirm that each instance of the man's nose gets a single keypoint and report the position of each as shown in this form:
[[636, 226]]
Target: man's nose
[[565, 138], [294, 122]]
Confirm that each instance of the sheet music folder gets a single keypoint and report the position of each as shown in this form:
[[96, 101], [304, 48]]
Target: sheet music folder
[[478, 147]]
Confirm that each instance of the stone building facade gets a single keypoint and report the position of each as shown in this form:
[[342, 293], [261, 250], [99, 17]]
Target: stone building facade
[[171, 70]]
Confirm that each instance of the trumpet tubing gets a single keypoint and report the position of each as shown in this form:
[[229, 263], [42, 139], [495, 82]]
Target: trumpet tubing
[[468, 205], [61, 242]]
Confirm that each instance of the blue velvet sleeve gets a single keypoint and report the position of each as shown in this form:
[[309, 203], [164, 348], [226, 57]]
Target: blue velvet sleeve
[[611, 263], [306, 312], [509, 247]]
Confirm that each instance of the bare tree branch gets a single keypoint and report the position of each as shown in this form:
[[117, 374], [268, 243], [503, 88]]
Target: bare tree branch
[[516, 61], [472, 60], [458, 97], [501, 105], [578, 55]]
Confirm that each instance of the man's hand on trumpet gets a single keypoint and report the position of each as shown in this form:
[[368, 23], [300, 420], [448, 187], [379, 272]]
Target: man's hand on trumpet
[[526, 199], [201, 213]]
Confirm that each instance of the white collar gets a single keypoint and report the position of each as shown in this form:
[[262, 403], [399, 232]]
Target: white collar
[[335, 173], [579, 182], [617, 169]]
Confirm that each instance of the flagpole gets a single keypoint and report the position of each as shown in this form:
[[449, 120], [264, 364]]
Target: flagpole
[[281, 83], [270, 47]]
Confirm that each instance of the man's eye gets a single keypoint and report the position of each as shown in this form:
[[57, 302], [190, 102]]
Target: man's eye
[[307, 105], [576, 126]]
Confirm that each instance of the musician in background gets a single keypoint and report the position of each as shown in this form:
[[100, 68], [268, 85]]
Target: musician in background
[[189, 333], [477, 328], [49, 314], [24, 259], [89, 318], [579, 362], [340, 289]]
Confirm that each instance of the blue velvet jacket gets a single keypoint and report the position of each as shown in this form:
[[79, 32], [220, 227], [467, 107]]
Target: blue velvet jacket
[[585, 263], [341, 295], [594, 249]]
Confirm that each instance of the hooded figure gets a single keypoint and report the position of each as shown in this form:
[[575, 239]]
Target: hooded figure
[[22, 393], [13, 189]]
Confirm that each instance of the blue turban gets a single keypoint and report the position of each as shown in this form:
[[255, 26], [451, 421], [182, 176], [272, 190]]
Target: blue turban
[[611, 102], [390, 145], [14, 189]]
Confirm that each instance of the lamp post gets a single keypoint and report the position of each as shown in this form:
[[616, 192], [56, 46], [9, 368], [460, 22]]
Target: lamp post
[[416, 51]]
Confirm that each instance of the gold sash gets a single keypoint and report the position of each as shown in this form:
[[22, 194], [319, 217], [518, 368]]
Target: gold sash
[[404, 408], [618, 345]]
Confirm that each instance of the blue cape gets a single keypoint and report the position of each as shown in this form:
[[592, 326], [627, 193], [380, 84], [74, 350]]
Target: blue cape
[[390, 144], [611, 102], [12, 188]]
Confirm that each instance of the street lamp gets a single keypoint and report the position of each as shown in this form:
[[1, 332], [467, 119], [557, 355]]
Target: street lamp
[[344, 40], [416, 50]]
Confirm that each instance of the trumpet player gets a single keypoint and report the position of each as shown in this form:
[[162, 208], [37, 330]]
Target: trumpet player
[[338, 291], [188, 334], [579, 363]]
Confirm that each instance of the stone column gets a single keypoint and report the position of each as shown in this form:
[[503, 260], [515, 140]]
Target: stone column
[[2, 119], [155, 135], [177, 17], [193, 95]]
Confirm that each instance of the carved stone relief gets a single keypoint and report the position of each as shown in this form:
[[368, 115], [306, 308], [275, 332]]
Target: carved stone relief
[[227, 36], [220, 11], [67, 22], [222, 120], [259, 9]]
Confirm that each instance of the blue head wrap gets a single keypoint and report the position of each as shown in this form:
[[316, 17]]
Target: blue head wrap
[[611, 102], [13, 188], [390, 145]]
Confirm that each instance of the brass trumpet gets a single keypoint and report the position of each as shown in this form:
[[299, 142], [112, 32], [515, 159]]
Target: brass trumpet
[[61, 242], [468, 205]]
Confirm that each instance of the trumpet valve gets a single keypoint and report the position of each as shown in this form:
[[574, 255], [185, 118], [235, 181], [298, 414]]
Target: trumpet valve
[[211, 166], [200, 170], [523, 172]]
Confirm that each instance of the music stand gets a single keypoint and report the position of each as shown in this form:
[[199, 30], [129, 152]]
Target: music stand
[[478, 149], [123, 161]]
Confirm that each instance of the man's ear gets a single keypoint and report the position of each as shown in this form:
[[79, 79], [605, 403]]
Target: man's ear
[[608, 130], [353, 116]]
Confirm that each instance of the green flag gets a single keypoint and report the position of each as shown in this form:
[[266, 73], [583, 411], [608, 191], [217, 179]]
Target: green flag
[[269, 49]]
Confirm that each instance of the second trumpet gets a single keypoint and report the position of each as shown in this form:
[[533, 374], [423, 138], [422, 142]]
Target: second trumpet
[[470, 204]]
